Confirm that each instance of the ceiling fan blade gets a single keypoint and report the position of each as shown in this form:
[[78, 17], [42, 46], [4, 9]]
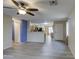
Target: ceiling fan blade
[[30, 13], [9, 7], [17, 4], [22, 3], [32, 9]]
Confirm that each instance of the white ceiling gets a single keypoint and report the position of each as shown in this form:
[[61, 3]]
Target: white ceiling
[[45, 13]]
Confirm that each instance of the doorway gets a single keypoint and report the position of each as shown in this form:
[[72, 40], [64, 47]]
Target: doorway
[[49, 33]]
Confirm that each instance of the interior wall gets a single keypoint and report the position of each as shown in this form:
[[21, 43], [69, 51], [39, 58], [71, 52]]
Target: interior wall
[[59, 30], [35, 37], [28, 26], [7, 31], [71, 39]]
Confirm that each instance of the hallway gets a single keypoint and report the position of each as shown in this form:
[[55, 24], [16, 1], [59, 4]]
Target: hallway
[[29, 50]]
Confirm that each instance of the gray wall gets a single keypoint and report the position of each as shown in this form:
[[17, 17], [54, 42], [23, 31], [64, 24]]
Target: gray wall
[[71, 40], [7, 31]]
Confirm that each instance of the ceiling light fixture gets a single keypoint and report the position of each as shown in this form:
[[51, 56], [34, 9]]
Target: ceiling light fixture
[[21, 11], [53, 2]]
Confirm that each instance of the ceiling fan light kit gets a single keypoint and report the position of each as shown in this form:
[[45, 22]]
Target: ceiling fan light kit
[[20, 11]]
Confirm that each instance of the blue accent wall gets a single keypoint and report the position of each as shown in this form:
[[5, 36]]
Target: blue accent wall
[[23, 31]]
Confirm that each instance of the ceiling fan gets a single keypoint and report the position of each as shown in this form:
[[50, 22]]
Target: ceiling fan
[[23, 8]]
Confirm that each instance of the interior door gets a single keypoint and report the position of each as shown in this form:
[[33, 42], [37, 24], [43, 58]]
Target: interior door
[[58, 31]]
